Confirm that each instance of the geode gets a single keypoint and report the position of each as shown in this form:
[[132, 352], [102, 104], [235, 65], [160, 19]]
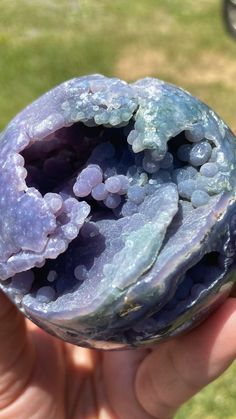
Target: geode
[[118, 211]]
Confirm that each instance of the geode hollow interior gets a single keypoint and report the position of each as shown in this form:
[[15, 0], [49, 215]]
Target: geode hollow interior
[[118, 211]]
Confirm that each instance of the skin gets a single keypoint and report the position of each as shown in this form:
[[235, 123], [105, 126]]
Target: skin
[[43, 377]]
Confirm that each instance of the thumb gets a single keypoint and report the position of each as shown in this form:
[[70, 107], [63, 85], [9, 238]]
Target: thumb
[[177, 369], [16, 352]]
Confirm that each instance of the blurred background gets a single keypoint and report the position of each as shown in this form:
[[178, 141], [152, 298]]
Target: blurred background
[[44, 42]]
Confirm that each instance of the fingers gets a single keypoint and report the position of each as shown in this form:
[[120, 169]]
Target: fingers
[[119, 370], [177, 369], [16, 353], [81, 365]]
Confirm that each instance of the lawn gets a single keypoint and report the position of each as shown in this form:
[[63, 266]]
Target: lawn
[[43, 42]]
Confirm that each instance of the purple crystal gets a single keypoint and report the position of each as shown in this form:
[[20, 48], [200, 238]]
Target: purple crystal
[[117, 210]]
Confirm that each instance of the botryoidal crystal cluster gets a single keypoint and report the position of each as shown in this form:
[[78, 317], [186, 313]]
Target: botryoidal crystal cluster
[[118, 211]]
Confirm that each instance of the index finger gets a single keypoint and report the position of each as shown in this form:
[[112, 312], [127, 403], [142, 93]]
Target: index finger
[[16, 352]]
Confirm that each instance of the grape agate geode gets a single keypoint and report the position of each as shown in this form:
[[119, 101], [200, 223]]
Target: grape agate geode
[[118, 211]]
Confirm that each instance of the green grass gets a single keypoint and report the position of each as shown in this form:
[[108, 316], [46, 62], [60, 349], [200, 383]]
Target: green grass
[[43, 42]]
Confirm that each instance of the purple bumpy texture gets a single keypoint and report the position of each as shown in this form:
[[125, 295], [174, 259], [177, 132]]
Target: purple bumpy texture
[[117, 207]]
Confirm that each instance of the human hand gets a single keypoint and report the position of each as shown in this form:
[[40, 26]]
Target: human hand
[[43, 377]]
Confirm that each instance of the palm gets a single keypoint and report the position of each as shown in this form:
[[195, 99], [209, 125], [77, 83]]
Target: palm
[[43, 377]]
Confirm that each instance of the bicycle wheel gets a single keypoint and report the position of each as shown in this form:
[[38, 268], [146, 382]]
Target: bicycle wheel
[[229, 15]]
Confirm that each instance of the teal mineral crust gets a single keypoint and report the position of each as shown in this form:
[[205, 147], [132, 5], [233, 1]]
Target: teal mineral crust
[[118, 211]]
